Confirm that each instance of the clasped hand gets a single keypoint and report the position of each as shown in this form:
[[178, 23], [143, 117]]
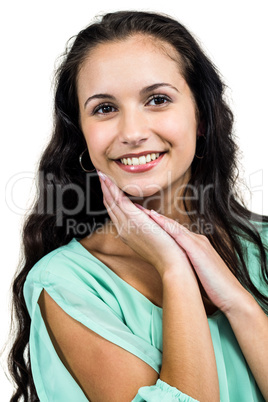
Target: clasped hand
[[168, 245]]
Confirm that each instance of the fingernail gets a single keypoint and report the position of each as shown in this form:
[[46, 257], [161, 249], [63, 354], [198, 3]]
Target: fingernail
[[102, 175]]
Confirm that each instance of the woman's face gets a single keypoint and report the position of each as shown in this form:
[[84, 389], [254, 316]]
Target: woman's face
[[138, 115]]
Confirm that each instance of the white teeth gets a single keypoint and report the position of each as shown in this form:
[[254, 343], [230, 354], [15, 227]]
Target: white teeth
[[142, 160], [135, 161]]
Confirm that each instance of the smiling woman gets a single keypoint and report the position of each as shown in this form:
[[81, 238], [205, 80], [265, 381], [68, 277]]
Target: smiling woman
[[165, 296]]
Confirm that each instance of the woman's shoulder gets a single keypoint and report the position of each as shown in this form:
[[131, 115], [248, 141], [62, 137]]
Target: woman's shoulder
[[69, 263], [72, 275], [261, 229]]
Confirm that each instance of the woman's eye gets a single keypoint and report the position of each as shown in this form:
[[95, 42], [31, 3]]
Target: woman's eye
[[158, 100], [104, 109]]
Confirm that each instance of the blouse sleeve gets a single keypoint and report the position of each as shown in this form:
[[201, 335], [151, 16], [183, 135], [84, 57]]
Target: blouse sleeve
[[93, 299]]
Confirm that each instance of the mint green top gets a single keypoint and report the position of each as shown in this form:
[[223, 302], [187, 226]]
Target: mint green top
[[92, 294]]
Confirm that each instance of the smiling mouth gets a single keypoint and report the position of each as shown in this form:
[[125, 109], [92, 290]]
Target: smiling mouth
[[141, 160]]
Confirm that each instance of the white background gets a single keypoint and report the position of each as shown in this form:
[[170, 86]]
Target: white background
[[33, 34]]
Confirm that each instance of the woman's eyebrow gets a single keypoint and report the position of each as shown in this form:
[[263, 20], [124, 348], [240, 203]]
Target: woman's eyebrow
[[144, 91], [150, 88], [98, 96]]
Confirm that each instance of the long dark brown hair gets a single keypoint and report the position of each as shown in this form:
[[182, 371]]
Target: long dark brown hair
[[215, 167]]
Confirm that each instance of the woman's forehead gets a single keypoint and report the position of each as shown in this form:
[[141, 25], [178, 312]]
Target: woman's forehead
[[127, 60]]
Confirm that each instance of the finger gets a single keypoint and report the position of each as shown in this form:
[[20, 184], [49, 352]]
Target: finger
[[107, 197], [178, 232], [110, 212], [119, 198], [114, 190], [115, 210], [170, 225], [111, 204], [147, 211], [196, 246], [123, 222]]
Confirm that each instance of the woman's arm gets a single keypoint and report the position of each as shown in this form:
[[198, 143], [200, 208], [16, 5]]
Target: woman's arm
[[103, 370], [247, 319], [188, 355]]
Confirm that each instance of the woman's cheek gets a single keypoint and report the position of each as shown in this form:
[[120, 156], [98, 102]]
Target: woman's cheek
[[171, 128]]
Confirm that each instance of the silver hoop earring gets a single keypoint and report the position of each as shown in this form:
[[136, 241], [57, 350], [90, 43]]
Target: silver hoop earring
[[81, 162]]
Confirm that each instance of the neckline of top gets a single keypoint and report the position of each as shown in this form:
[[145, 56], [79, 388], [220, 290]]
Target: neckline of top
[[88, 253], [112, 273]]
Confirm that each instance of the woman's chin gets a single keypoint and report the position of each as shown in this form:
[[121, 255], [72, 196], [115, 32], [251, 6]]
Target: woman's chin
[[141, 193]]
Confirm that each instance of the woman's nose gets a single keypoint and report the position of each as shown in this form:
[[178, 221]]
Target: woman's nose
[[133, 128]]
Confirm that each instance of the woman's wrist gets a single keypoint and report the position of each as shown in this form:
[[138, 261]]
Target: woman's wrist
[[184, 281], [243, 305]]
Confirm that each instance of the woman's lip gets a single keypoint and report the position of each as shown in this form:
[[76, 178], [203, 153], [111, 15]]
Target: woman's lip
[[140, 168]]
